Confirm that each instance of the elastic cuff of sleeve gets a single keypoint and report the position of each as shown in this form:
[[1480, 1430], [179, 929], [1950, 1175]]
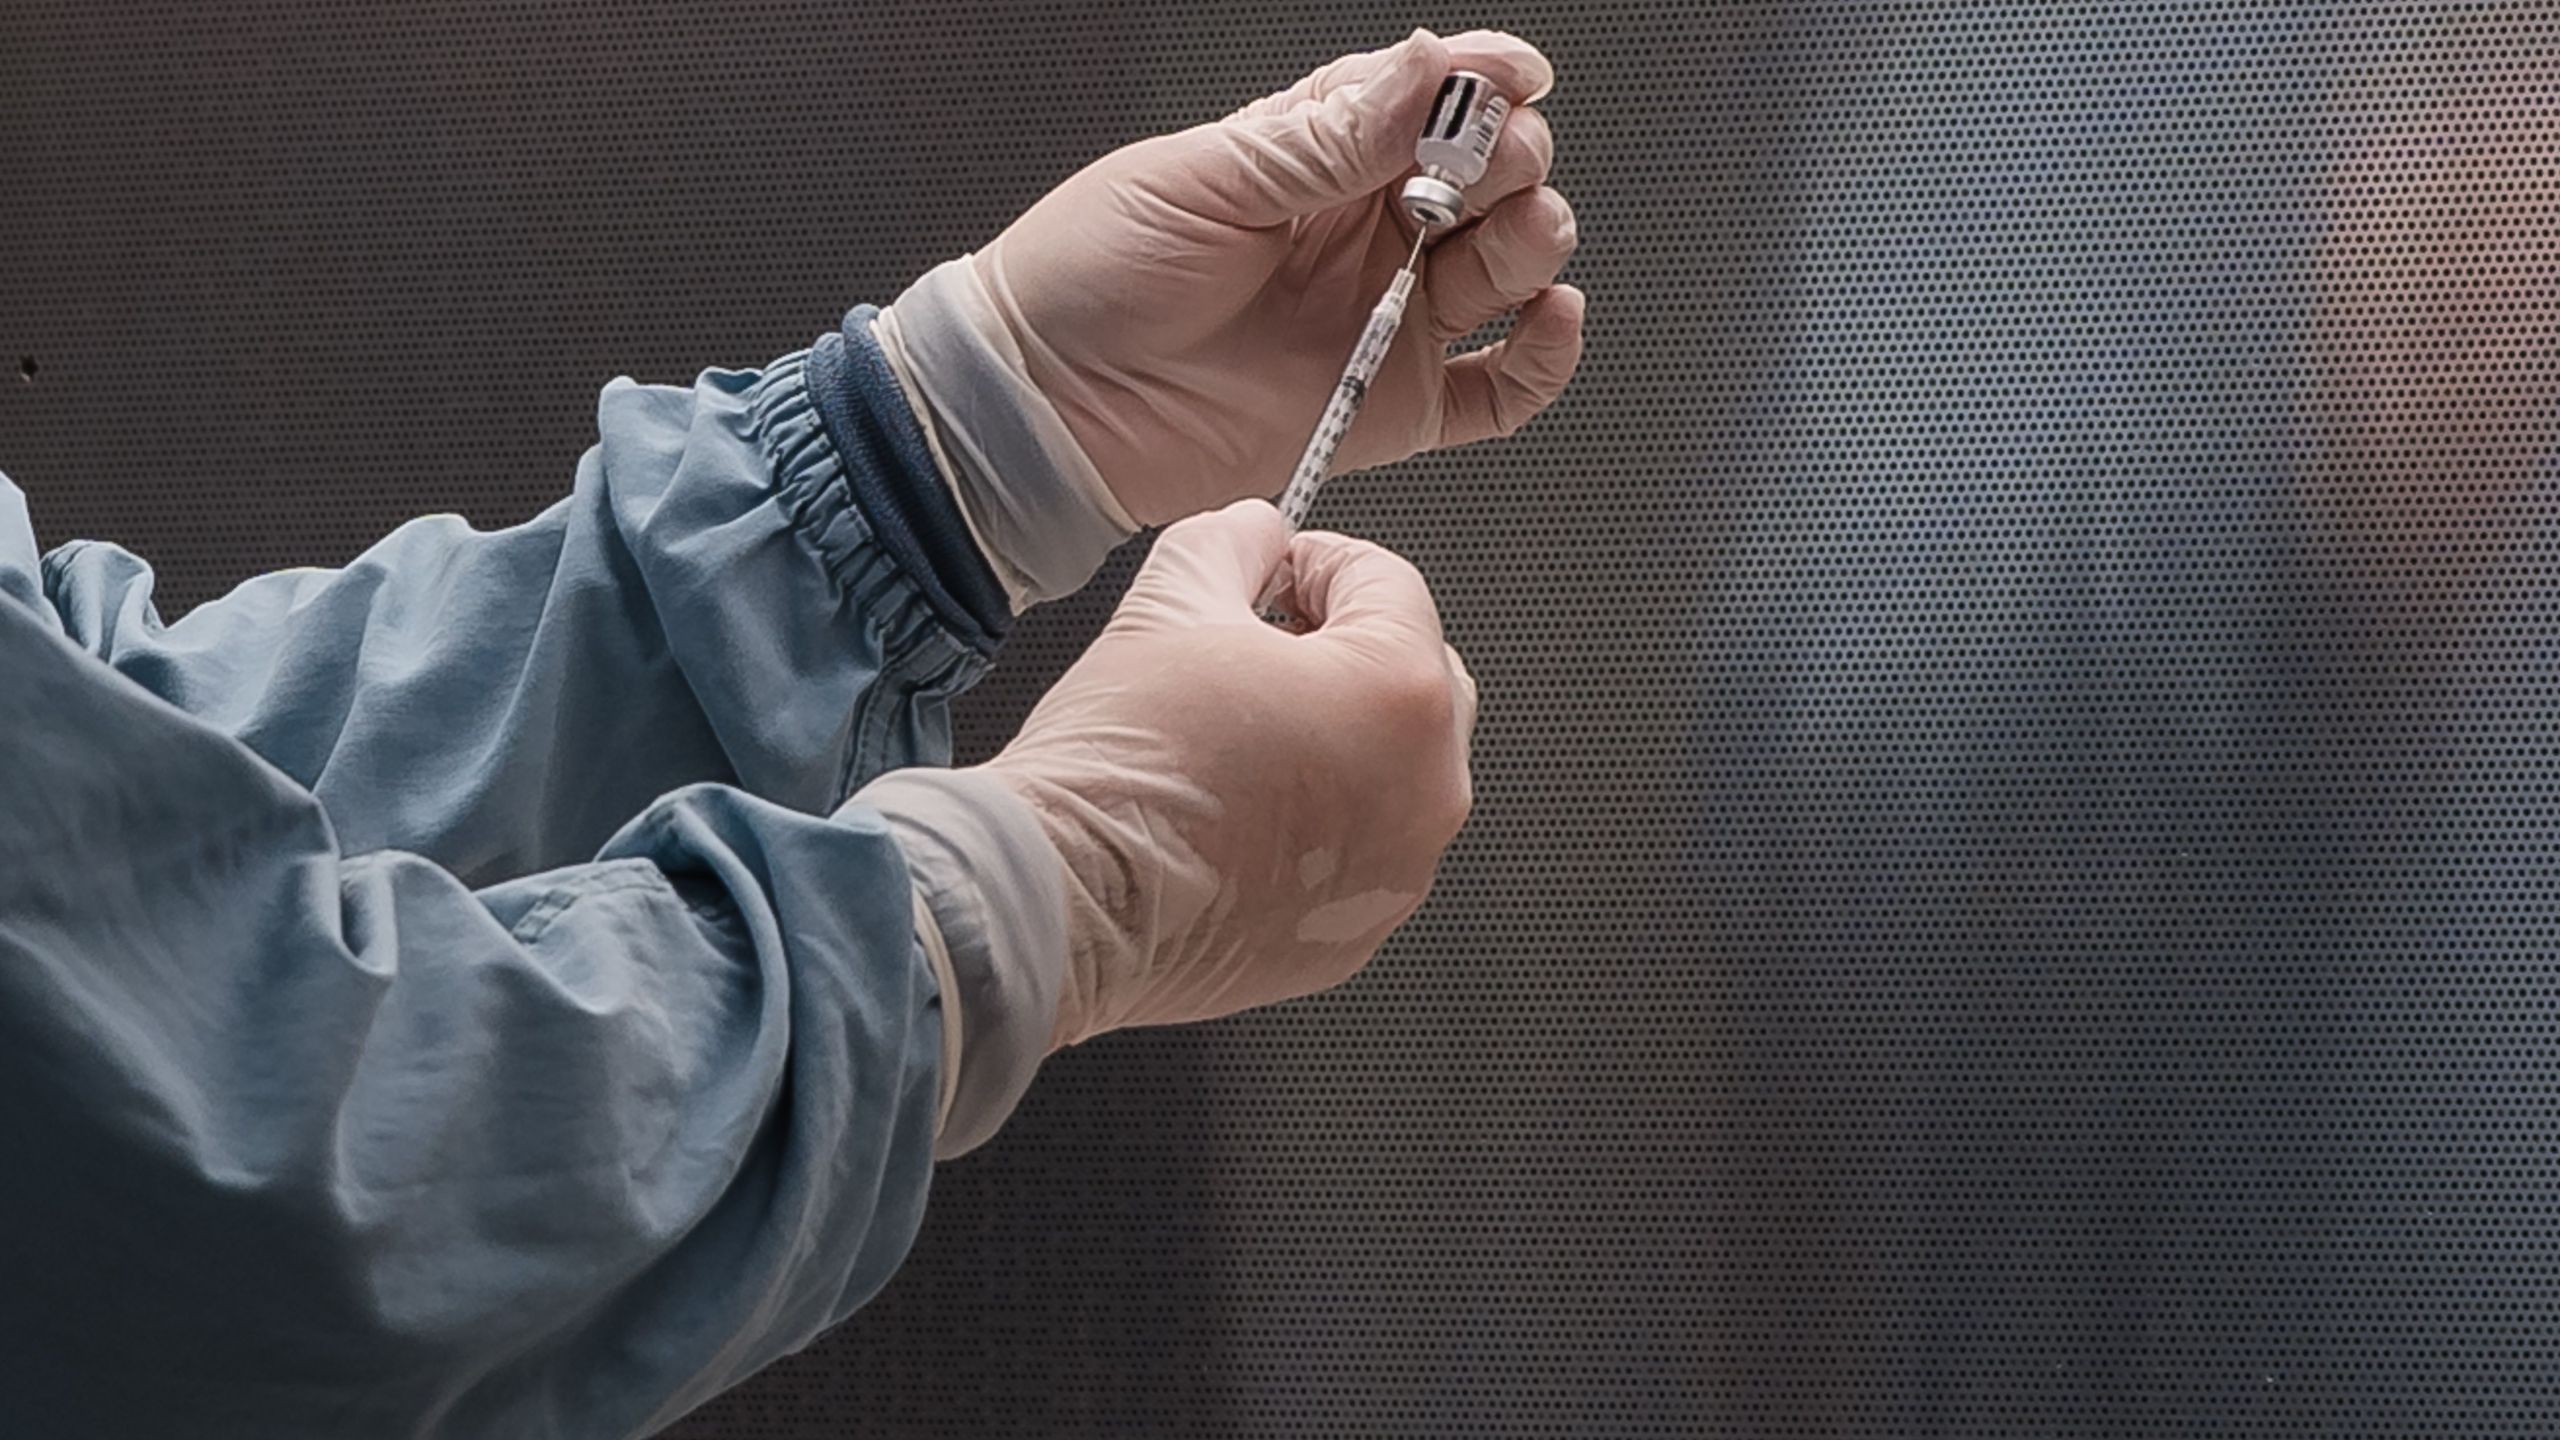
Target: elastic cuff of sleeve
[[997, 893], [900, 490], [1029, 493]]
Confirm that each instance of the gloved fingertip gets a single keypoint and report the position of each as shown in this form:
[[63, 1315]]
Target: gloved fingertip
[[1241, 517], [1512, 61], [1260, 519], [1229, 554], [1559, 304], [1550, 332], [1554, 214], [1422, 57]]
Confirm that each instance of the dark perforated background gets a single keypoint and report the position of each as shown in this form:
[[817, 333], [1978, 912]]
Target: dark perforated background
[[2013, 888]]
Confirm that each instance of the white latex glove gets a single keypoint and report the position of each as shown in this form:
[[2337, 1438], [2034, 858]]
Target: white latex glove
[[1157, 335], [1245, 813]]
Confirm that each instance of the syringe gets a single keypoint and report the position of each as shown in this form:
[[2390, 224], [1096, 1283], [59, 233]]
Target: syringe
[[1349, 392], [1453, 152]]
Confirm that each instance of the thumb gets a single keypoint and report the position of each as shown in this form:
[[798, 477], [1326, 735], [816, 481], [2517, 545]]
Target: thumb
[[1320, 146], [1210, 567]]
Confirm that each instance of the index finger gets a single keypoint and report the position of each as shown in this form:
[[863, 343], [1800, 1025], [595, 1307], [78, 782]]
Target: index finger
[[1516, 67], [1326, 79], [1519, 69], [1353, 591]]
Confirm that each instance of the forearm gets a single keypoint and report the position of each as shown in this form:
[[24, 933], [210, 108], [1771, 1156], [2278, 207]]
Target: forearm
[[564, 1155], [752, 581]]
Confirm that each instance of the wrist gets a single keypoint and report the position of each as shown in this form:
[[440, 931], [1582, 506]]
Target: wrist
[[993, 889], [1101, 882], [1040, 511]]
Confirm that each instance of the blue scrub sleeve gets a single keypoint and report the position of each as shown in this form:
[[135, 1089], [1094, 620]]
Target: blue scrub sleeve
[[368, 1068], [760, 580], [311, 1144]]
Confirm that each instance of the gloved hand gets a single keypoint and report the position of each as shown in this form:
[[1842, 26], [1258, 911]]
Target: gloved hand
[[1187, 302], [1157, 336], [1244, 813]]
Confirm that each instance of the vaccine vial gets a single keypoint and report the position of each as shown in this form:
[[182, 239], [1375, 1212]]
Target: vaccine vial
[[1456, 145]]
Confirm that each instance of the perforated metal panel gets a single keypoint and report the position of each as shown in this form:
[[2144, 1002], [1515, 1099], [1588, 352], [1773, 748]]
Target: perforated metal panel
[[2013, 889]]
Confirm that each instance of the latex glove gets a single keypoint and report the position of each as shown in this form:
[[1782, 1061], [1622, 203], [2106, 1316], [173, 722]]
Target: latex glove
[[1180, 310], [1245, 813]]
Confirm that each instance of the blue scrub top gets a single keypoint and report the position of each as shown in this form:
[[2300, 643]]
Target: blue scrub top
[[453, 994]]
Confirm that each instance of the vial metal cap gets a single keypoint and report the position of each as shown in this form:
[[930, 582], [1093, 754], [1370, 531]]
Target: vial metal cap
[[1434, 203]]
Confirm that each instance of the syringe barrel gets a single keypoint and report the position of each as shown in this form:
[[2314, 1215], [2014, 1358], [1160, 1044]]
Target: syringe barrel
[[1343, 406]]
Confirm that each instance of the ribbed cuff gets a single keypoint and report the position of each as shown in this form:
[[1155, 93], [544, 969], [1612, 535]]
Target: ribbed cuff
[[1039, 509], [998, 896], [895, 482]]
